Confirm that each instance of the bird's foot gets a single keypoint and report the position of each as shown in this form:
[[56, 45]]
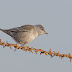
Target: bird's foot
[[28, 46]]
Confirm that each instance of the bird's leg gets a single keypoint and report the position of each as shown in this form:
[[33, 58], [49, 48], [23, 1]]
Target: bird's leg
[[27, 46], [22, 44]]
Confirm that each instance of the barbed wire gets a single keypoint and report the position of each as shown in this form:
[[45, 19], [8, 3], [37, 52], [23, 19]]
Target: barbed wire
[[31, 49]]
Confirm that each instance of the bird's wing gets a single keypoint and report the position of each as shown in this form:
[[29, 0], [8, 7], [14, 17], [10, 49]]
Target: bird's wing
[[23, 28]]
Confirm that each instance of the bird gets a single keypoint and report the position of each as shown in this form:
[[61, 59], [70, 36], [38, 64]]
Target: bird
[[26, 33]]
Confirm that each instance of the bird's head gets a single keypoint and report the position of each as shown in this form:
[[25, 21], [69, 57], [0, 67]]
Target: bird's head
[[40, 29]]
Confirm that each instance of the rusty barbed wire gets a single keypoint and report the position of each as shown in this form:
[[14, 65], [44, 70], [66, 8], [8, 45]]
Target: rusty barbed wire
[[31, 49]]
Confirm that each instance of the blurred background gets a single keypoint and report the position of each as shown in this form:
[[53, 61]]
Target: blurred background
[[55, 16]]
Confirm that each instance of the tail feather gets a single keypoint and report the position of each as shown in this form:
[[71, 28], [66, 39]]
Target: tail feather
[[5, 31], [2, 30]]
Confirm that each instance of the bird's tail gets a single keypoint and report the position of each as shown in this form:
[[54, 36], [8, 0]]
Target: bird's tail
[[6, 31], [3, 30]]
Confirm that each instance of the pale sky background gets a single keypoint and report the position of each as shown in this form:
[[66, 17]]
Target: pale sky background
[[55, 16]]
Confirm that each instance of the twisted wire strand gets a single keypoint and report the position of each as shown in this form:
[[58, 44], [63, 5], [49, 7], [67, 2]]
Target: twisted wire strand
[[28, 48]]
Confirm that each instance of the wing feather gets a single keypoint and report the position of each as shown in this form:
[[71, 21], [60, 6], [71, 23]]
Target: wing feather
[[23, 28]]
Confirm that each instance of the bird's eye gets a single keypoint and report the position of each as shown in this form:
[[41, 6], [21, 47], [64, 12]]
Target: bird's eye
[[41, 28]]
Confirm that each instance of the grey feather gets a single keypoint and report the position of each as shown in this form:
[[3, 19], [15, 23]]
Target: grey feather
[[25, 33]]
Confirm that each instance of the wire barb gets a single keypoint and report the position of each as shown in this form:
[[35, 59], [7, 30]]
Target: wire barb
[[31, 49]]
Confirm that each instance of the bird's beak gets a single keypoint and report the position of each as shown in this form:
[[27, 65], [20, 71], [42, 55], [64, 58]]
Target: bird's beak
[[46, 33]]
